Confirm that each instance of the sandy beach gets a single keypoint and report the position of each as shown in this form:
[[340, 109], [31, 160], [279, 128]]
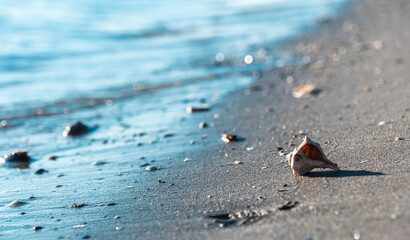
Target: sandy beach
[[360, 117], [359, 113]]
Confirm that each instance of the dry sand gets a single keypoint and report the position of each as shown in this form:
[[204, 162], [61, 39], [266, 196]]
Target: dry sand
[[361, 64]]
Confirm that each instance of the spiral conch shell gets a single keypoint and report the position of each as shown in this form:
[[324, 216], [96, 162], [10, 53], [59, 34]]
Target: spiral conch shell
[[307, 156]]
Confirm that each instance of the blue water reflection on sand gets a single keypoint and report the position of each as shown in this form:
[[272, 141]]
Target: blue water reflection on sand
[[130, 67]]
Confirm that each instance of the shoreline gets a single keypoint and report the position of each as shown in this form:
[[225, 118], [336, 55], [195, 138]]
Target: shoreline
[[362, 86]]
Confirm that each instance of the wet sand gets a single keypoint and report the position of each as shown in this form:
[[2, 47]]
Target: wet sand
[[360, 64]]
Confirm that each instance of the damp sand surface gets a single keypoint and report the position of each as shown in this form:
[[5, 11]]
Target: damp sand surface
[[237, 189]]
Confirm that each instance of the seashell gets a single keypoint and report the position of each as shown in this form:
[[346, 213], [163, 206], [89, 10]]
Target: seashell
[[307, 156], [305, 91]]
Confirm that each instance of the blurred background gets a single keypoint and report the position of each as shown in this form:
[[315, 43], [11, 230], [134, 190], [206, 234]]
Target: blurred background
[[60, 56]]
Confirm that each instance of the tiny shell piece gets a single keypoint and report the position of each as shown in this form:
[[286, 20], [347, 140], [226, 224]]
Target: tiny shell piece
[[229, 138], [307, 156], [304, 91]]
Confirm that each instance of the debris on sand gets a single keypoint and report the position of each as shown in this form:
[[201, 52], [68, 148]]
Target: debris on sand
[[76, 129], [305, 91], [36, 228], [229, 138], [40, 171], [307, 156], [16, 203], [78, 205], [17, 159], [238, 218], [191, 109], [52, 158], [203, 124], [97, 163], [80, 226], [237, 162], [151, 168], [288, 205]]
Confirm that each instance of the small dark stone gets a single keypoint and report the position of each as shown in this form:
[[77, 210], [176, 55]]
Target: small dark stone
[[36, 228], [111, 204], [151, 168], [87, 237], [76, 129], [168, 135], [52, 158], [279, 148], [40, 171], [203, 125], [287, 205], [17, 159]]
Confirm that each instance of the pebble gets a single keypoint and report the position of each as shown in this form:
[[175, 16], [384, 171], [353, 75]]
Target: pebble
[[203, 125], [40, 171], [151, 168], [76, 129], [187, 160], [78, 205], [117, 217], [118, 228], [16, 203], [129, 187], [283, 153], [399, 139], [204, 136], [191, 109], [80, 226], [111, 204], [356, 235], [97, 163], [237, 162], [287, 205], [249, 148], [52, 157], [36, 228], [58, 186], [192, 142], [17, 159], [382, 123], [144, 164]]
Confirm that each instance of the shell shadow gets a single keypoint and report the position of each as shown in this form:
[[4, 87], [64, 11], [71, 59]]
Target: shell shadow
[[343, 173]]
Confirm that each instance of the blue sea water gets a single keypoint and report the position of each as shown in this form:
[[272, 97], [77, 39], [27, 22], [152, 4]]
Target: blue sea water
[[130, 67], [60, 50]]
